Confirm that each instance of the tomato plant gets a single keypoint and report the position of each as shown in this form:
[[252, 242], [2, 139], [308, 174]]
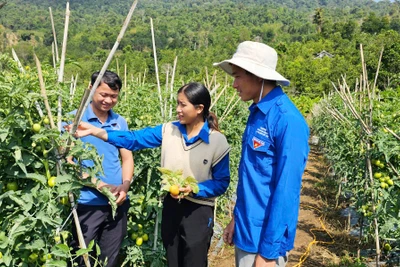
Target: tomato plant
[[29, 207], [30, 155], [345, 147]]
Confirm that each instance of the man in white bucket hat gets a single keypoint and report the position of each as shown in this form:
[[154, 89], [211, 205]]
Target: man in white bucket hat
[[274, 155]]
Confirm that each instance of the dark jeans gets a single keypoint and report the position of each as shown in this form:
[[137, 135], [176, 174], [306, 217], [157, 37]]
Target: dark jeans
[[186, 231], [97, 224]]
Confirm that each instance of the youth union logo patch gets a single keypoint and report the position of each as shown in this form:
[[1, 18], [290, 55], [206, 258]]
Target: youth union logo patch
[[257, 143]]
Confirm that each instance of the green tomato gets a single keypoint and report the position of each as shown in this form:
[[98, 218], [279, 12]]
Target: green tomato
[[145, 237], [139, 241], [64, 235], [46, 257], [33, 257], [46, 120], [64, 200], [387, 247], [52, 181], [57, 238], [36, 127], [12, 186], [134, 235]]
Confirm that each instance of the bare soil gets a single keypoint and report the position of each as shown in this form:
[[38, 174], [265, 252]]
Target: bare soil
[[321, 238]]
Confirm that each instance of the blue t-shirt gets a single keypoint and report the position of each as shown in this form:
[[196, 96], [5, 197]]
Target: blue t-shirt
[[274, 155], [111, 161]]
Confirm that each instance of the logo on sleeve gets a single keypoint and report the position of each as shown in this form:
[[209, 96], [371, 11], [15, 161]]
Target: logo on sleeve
[[257, 143]]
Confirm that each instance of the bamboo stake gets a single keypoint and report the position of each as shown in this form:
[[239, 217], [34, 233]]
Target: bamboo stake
[[64, 46], [117, 66], [213, 79], [54, 35], [79, 115], [125, 88], [62, 64], [393, 133], [156, 227], [336, 116], [219, 95], [229, 104], [369, 166], [21, 69], [366, 86], [345, 95], [156, 68], [229, 111], [71, 85], [81, 240], [53, 57], [377, 72], [393, 168], [352, 110], [172, 87], [371, 177], [166, 88], [43, 92], [75, 82], [207, 80], [214, 89], [125, 80]]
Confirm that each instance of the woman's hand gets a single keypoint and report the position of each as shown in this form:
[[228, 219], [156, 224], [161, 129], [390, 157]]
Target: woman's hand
[[187, 189], [85, 129]]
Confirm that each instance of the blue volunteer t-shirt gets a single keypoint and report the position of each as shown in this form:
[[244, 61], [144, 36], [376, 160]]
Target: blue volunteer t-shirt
[[111, 162], [274, 155]]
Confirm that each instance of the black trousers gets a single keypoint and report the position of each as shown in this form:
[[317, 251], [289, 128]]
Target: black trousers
[[97, 224], [186, 231]]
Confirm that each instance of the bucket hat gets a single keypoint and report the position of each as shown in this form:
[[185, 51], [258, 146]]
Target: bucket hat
[[258, 59]]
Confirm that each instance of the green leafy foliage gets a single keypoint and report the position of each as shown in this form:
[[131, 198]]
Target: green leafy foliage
[[175, 178], [32, 211], [344, 145]]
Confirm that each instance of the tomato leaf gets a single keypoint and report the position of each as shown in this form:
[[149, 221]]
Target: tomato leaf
[[60, 250], [35, 245], [3, 134], [34, 176]]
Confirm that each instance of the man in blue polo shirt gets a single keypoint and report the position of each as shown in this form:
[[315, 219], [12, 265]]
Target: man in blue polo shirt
[[274, 155], [95, 214]]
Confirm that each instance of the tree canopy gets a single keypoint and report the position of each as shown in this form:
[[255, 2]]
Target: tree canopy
[[200, 32]]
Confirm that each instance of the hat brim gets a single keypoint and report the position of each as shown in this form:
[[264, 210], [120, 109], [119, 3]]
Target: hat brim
[[254, 68]]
